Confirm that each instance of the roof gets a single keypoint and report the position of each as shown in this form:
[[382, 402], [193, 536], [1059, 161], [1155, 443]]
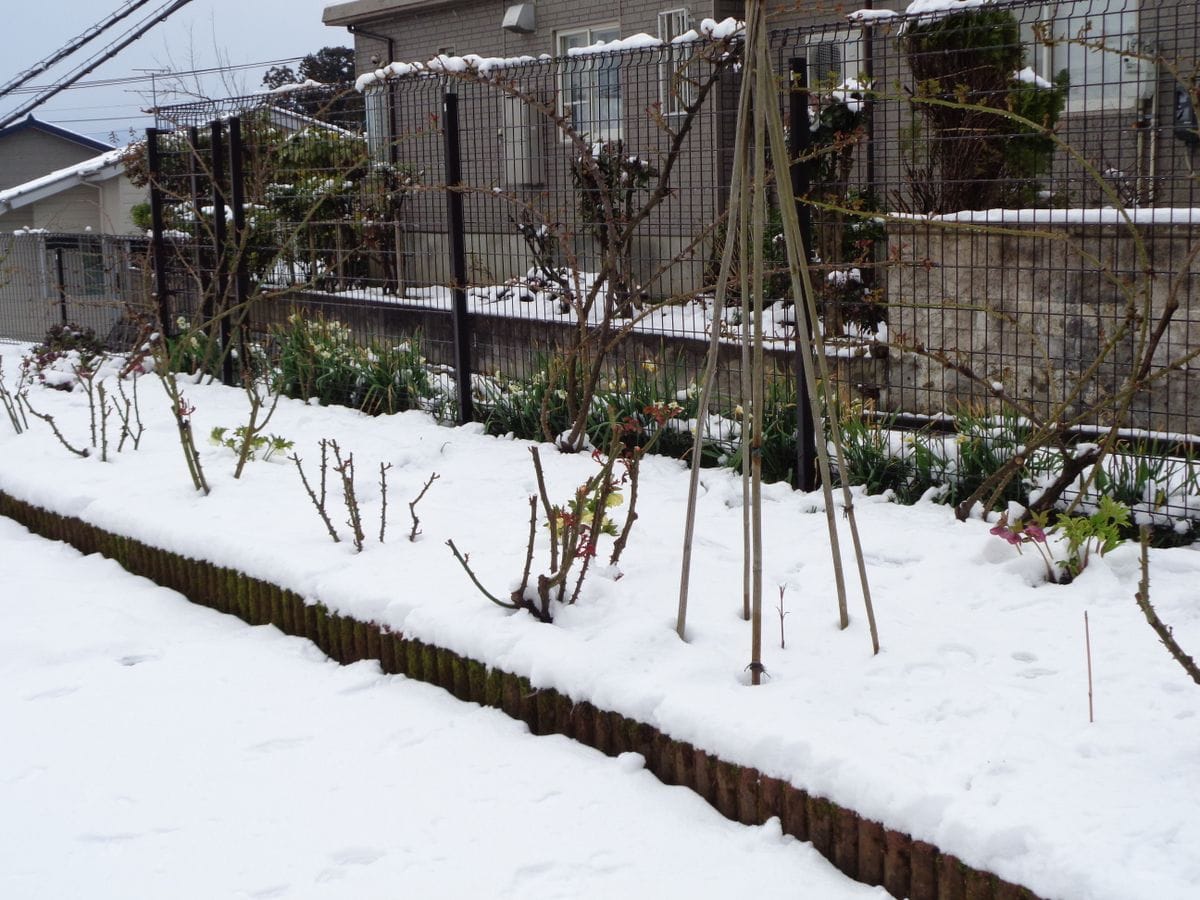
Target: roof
[[358, 11], [90, 171], [30, 123]]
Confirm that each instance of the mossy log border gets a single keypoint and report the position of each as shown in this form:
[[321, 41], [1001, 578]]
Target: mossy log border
[[863, 849]]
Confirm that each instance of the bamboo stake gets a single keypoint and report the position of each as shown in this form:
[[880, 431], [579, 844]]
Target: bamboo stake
[[733, 222], [819, 392], [1087, 639], [757, 375]]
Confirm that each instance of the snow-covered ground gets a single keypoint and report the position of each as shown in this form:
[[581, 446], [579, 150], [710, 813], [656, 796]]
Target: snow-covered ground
[[969, 730], [157, 749]]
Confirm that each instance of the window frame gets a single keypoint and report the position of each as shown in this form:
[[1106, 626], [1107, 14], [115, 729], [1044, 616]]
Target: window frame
[[585, 74], [845, 38], [674, 96]]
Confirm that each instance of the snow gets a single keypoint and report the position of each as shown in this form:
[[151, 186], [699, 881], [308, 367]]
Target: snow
[[78, 170], [1028, 76], [306, 84], [638, 41], [970, 730], [850, 92], [937, 8], [1105, 215], [146, 738], [441, 64], [709, 29], [871, 16]]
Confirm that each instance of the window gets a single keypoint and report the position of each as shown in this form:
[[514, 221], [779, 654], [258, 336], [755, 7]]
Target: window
[[676, 90], [590, 85], [1096, 42], [376, 98], [834, 59]]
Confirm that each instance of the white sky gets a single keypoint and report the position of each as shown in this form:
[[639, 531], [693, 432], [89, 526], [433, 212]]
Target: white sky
[[200, 35]]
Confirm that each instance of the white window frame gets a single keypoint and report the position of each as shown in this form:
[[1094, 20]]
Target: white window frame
[[376, 99], [595, 82], [850, 45], [1102, 79], [676, 92]]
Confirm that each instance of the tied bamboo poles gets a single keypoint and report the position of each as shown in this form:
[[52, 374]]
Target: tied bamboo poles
[[759, 125]]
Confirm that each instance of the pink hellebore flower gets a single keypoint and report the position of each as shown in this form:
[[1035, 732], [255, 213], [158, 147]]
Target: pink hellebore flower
[[1035, 531], [1003, 531]]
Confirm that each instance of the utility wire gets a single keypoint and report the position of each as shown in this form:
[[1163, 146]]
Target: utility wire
[[71, 46], [159, 15], [137, 79]]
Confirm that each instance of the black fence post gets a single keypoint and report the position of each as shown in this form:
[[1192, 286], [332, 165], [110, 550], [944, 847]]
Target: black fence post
[[218, 305], [62, 284], [799, 145], [237, 199], [458, 256], [158, 247]]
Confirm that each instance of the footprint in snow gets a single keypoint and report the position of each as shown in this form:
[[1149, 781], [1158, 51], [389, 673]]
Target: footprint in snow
[[134, 659], [54, 693]]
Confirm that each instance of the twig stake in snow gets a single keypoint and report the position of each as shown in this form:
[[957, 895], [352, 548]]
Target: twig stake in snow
[[383, 470], [782, 616], [318, 502], [130, 415], [633, 466], [345, 468], [255, 426], [1163, 631], [12, 405], [49, 420], [182, 411], [412, 507], [551, 518], [106, 409], [1087, 640]]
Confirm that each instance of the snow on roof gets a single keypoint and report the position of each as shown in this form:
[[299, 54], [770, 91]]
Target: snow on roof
[[304, 85], [98, 168]]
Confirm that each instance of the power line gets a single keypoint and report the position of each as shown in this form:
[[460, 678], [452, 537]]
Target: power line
[[136, 79], [71, 46], [159, 15]]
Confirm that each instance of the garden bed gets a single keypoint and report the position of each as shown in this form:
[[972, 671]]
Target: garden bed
[[969, 732]]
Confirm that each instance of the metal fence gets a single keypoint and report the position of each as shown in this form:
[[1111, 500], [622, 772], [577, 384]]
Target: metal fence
[[88, 280], [1000, 208]]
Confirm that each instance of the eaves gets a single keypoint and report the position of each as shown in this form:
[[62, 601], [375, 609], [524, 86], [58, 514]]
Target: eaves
[[359, 12]]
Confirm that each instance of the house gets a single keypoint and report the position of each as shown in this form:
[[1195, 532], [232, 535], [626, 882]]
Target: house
[[41, 187], [92, 195], [31, 148], [67, 239]]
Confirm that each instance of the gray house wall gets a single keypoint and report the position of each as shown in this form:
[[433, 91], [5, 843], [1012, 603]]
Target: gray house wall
[[29, 153]]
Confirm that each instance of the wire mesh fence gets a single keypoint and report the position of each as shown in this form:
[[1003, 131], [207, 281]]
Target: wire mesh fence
[[49, 279], [1000, 207]]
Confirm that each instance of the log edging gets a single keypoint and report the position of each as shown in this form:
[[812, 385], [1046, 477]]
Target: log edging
[[863, 849]]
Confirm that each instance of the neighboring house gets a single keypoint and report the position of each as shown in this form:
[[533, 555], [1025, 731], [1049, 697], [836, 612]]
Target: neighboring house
[[93, 195], [60, 180]]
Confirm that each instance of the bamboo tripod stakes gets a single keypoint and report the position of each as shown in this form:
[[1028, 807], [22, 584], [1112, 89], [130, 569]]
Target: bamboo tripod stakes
[[759, 128]]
